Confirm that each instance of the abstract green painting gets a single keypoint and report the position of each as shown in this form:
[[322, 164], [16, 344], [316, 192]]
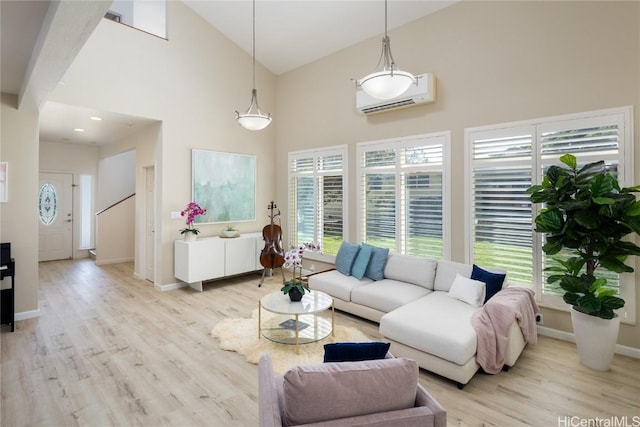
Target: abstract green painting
[[225, 185]]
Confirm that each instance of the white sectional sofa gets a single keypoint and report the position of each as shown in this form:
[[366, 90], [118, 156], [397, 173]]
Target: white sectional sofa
[[417, 314]]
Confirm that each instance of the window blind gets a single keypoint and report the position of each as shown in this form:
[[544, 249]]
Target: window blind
[[402, 202], [316, 208]]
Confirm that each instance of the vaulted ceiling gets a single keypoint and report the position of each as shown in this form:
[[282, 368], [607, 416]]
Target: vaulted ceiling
[[289, 34]]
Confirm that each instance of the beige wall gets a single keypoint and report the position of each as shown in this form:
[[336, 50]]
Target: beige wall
[[115, 233], [19, 217], [495, 62], [147, 143], [192, 83]]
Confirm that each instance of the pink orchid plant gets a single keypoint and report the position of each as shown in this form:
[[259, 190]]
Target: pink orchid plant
[[192, 210]]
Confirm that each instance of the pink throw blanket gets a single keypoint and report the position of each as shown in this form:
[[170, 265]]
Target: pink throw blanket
[[493, 322]]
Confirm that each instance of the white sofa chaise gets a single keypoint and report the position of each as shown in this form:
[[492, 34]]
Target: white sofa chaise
[[416, 314]]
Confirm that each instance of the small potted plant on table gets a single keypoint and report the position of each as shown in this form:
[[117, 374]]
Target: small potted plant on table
[[296, 287]]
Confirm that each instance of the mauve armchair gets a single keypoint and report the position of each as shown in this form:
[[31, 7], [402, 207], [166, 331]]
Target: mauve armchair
[[381, 392]]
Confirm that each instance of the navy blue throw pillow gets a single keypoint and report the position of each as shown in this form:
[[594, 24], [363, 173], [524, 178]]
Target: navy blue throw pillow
[[355, 351], [494, 281]]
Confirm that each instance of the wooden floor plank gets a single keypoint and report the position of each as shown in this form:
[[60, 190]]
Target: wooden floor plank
[[108, 349]]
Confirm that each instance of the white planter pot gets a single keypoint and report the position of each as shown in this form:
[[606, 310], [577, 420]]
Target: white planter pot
[[190, 237], [596, 339], [229, 233]]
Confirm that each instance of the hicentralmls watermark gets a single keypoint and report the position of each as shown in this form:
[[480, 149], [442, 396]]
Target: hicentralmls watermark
[[613, 421]]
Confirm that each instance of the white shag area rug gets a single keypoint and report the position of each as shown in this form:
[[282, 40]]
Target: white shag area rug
[[241, 335]]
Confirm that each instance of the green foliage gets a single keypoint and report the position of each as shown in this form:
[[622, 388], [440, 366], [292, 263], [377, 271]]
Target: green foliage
[[295, 283], [588, 213]]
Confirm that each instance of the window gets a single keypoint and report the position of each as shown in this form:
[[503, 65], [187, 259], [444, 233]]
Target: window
[[403, 201], [504, 160], [317, 212], [48, 204], [86, 217]]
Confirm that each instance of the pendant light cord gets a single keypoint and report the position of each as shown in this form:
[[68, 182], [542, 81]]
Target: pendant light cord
[[254, 44], [385, 18]]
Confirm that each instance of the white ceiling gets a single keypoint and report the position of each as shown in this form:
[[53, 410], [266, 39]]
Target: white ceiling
[[59, 121], [289, 34]]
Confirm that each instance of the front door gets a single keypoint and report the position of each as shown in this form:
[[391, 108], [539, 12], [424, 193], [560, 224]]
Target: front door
[[55, 202]]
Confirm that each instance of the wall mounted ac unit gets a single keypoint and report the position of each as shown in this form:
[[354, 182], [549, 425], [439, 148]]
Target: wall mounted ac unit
[[423, 93]]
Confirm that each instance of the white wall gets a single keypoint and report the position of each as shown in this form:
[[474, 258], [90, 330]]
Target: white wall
[[116, 178], [78, 160]]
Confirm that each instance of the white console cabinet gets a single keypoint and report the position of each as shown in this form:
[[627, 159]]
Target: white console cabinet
[[211, 258]]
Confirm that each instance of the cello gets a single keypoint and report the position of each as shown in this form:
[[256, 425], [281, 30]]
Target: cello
[[272, 255]]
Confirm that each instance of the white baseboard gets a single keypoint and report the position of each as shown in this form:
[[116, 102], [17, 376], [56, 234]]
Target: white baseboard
[[568, 336], [114, 261], [169, 286], [24, 315]]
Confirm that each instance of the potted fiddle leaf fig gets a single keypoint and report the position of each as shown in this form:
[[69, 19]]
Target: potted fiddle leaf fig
[[587, 214]]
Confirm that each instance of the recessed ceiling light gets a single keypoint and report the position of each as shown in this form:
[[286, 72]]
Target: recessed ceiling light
[[96, 118], [79, 130]]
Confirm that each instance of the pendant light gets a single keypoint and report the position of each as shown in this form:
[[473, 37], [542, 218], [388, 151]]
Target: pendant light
[[253, 118], [390, 81]]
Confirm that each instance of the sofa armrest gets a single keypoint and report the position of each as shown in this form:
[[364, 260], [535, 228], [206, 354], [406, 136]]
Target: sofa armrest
[[268, 405], [423, 398]]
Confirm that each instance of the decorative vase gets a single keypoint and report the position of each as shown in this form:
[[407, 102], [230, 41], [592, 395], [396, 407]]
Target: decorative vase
[[595, 338], [295, 295], [190, 237], [229, 233]]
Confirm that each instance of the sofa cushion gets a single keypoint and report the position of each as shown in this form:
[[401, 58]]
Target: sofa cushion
[[468, 290], [336, 284], [411, 269], [494, 281], [362, 261], [446, 273], [346, 256], [355, 351], [386, 295], [375, 269], [315, 393], [435, 324]]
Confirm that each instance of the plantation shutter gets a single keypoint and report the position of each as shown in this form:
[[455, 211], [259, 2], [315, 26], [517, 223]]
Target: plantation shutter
[[316, 208], [592, 139], [379, 198], [505, 159], [500, 207], [401, 202]]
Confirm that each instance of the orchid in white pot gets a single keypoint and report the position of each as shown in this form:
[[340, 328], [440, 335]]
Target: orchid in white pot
[[192, 210]]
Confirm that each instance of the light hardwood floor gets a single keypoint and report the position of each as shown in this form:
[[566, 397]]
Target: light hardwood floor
[[109, 350]]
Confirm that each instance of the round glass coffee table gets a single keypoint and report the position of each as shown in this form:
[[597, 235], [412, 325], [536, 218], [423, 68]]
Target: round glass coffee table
[[295, 323]]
